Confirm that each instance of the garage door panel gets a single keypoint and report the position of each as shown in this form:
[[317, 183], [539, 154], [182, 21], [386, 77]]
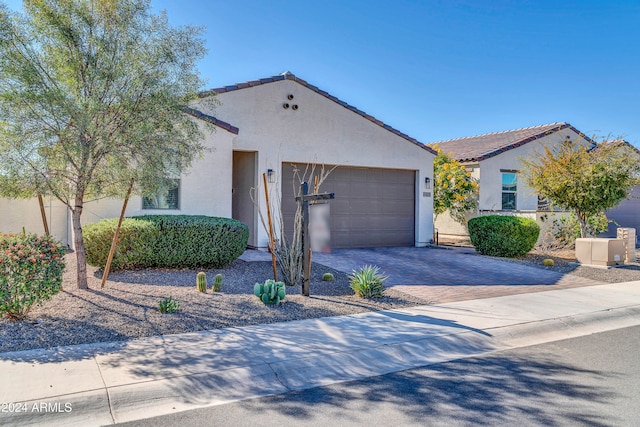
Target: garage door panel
[[373, 207], [397, 207], [366, 206], [397, 191]]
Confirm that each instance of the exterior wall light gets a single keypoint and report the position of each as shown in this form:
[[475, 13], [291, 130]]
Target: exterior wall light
[[427, 183], [271, 176]]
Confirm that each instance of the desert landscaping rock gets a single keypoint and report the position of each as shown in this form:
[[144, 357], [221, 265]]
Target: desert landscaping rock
[[127, 307]]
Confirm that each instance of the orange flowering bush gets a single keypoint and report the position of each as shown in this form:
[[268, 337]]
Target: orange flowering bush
[[31, 269]]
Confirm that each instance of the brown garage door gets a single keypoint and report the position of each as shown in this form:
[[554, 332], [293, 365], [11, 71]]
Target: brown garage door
[[372, 207]]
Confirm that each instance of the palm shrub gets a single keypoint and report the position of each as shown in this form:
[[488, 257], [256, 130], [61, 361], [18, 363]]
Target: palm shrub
[[503, 236], [31, 269], [367, 282]]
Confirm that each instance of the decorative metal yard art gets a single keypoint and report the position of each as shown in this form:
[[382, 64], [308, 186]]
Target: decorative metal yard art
[[305, 198]]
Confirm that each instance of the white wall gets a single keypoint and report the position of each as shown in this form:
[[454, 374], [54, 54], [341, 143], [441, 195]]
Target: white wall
[[18, 213], [323, 132], [205, 189]]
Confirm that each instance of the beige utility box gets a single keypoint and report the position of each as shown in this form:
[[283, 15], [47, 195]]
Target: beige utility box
[[600, 251]]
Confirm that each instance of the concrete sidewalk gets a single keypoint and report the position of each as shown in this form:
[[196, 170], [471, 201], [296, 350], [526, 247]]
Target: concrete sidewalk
[[100, 384]]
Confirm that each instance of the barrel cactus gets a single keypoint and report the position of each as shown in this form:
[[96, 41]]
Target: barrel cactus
[[201, 281], [217, 283], [270, 292]]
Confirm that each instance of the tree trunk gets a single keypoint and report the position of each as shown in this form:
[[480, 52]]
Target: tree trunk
[[582, 219], [81, 256]]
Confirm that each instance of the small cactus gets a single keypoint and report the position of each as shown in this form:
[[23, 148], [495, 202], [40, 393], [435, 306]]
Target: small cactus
[[217, 283], [327, 277], [201, 282], [548, 262], [270, 292]]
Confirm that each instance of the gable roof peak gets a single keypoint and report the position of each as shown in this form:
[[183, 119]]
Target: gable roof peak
[[287, 75]]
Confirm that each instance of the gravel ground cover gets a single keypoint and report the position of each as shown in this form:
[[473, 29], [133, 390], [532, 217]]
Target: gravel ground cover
[[127, 307], [565, 262]]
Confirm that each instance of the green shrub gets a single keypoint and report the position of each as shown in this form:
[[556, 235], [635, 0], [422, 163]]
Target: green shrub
[[328, 277], [133, 249], [271, 292], [367, 282], [31, 269], [171, 241], [548, 262], [168, 305], [504, 236], [217, 283]]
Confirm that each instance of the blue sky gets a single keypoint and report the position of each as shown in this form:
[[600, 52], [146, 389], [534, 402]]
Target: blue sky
[[438, 69]]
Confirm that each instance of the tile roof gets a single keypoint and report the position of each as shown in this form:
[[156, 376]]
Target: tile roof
[[481, 147], [289, 76], [207, 118]]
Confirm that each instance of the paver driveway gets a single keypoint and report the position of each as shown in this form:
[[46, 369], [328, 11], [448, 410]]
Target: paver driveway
[[444, 275]]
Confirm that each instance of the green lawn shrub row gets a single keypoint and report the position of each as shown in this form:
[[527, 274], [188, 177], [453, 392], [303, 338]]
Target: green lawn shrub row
[[503, 236], [170, 241]]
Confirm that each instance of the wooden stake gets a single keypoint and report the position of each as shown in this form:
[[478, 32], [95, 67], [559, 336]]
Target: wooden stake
[[115, 237], [44, 215], [271, 243], [306, 265]]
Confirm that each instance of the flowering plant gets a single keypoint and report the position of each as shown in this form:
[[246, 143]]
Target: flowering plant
[[31, 269]]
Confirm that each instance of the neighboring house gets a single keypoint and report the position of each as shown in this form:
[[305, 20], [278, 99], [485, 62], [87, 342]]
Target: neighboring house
[[493, 159], [627, 213], [266, 125]]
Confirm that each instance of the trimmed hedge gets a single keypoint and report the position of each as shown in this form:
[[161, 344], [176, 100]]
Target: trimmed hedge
[[504, 236], [171, 241]]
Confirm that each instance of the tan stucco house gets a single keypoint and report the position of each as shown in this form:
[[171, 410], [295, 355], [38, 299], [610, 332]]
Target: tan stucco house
[[267, 125], [493, 160]]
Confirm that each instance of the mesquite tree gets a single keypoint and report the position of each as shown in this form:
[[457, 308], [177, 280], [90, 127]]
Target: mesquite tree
[[92, 94], [584, 179]]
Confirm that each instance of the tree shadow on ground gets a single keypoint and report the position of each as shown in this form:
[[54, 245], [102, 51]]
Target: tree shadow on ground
[[498, 390]]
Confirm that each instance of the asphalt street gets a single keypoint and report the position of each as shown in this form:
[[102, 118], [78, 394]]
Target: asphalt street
[[592, 380]]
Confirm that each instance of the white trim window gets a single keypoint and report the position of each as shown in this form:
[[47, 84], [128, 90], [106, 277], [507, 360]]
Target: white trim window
[[166, 198], [509, 190]]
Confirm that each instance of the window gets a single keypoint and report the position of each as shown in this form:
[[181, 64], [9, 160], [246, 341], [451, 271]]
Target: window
[[166, 198], [509, 187]]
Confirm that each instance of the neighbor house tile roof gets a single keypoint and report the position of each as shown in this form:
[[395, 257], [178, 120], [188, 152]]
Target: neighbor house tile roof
[[481, 147], [289, 76]]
